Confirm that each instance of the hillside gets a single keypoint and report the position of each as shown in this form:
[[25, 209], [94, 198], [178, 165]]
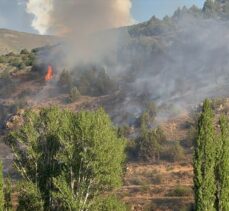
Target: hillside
[[162, 73], [13, 41]]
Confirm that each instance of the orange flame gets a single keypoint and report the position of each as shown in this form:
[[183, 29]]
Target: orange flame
[[49, 73]]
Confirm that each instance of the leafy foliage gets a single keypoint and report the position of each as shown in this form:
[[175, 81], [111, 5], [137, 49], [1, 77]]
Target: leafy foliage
[[205, 161], [109, 203], [71, 158], [223, 165], [29, 197], [74, 94], [8, 206]]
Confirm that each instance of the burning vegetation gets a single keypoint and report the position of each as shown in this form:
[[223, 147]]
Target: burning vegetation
[[49, 74]]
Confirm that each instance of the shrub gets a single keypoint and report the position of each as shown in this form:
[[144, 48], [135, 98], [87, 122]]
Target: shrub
[[157, 179], [131, 150], [3, 59], [24, 51], [109, 203], [29, 197], [65, 80], [148, 145], [180, 191], [74, 94], [173, 153], [7, 195]]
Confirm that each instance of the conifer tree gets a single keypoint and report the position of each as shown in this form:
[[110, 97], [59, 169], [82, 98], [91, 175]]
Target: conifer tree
[[223, 166], [204, 161]]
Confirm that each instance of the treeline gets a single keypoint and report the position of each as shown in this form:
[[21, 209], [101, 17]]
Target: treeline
[[218, 9], [211, 161], [67, 161]]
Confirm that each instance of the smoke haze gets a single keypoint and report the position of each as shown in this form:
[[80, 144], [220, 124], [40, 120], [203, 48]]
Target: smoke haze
[[176, 67]]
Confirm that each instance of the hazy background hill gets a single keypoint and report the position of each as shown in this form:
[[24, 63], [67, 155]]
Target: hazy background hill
[[13, 41]]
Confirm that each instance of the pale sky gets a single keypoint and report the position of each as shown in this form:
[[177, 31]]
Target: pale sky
[[13, 13]]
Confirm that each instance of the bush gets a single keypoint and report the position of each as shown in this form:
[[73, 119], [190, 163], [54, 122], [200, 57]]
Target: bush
[[74, 94], [192, 133], [65, 80], [131, 150], [30, 60], [108, 204], [29, 197], [7, 85], [24, 51], [149, 144], [7, 195], [173, 153], [157, 179], [181, 191], [3, 59]]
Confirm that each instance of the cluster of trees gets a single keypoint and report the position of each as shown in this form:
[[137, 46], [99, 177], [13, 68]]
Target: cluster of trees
[[211, 162], [68, 161], [216, 8], [149, 143], [89, 80]]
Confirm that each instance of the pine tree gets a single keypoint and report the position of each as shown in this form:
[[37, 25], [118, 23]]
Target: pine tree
[[223, 166], [204, 161], [1, 189]]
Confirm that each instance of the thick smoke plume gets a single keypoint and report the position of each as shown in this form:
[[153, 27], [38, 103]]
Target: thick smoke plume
[[41, 9], [82, 24], [81, 17]]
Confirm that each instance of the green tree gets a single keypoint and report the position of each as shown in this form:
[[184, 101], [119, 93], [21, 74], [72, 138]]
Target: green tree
[[1, 188], [150, 140], [223, 166], [205, 161], [71, 158], [211, 8], [40, 136], [93, 157]]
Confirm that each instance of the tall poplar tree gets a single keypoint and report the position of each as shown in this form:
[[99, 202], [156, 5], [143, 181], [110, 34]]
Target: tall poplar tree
[[223, 166], [204, 161]]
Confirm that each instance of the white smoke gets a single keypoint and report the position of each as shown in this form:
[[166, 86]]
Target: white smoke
[[41, 9], [78, 16]]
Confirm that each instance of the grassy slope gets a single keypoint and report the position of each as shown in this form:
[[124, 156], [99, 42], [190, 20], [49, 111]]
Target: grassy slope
[[15, 41]]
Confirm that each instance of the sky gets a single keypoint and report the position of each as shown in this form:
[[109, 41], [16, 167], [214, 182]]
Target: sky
[[13, 13]]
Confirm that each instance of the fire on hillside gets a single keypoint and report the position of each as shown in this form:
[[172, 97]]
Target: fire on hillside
[[49, 74]]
